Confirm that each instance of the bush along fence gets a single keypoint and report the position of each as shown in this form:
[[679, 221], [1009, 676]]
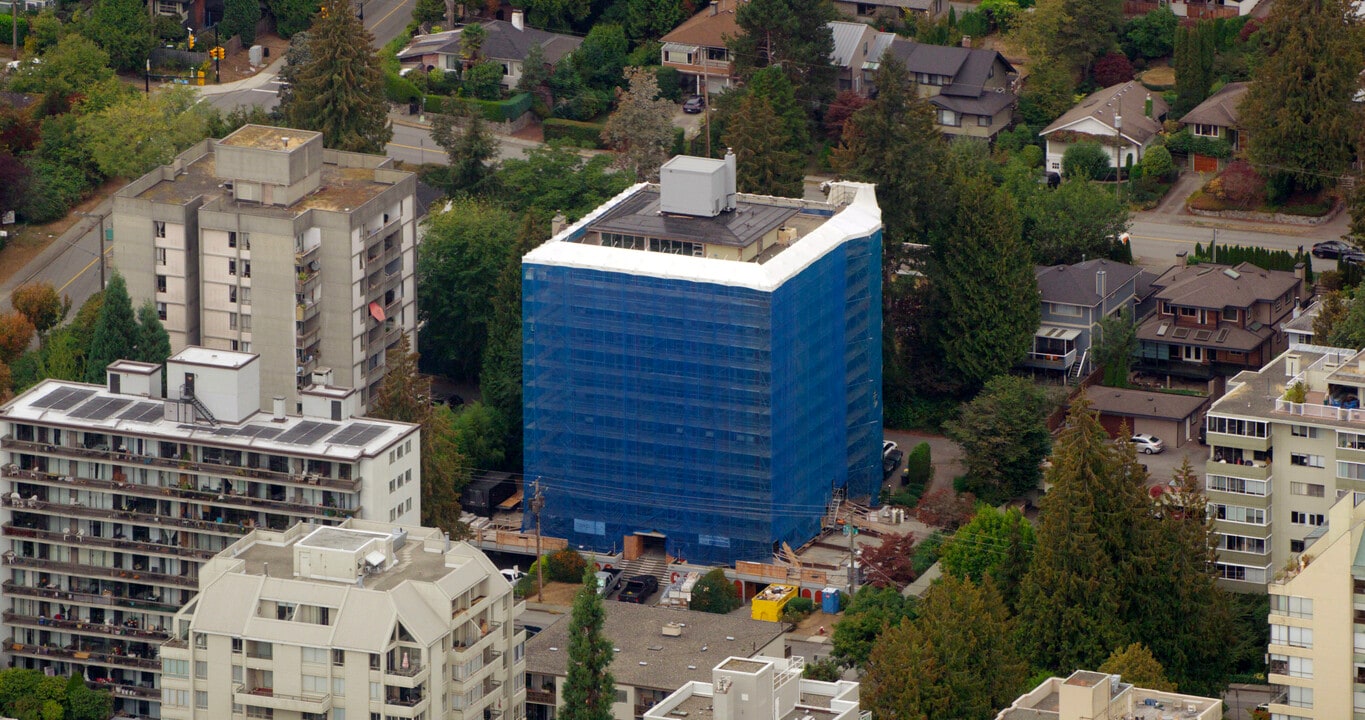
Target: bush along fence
[[1258, 256], [492, 110], [583, 134]]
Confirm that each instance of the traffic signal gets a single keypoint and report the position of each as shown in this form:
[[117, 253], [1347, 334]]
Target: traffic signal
[[191, 41], [217, 53]]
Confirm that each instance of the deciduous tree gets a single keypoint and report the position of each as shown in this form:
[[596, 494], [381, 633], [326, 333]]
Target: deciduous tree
[[240, 18], [1003, 433], [339, 92], [1137, 666], [641, 128], [996, 544], [500, 376], [1085, 161], [1331, 312], [16, 332], [426, 12], [554, 179], [135, 135], [1113, 69], [1151, 35], [74, 63], [1117, 343], [869, 613], [41, 304], [1078, 219], [845, 104], [652, 19], [714, 593], [589, 688], [891, 563], [123, 29], [1299, 115], [1074, 31], [1048, 92], [115, 331]]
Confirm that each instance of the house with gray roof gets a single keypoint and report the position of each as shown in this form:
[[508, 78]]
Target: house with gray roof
[[507, 43], [873, 10], [1217, 119], [1123, 118], [1215, 320], [972, 90], [1074, 299]]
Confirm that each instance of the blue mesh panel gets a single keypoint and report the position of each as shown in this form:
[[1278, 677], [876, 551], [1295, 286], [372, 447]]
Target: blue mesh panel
[[721, 417]]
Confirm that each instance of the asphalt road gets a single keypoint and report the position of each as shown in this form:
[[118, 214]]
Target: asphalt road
[[414, 145], [72, 269], [1155, 242]]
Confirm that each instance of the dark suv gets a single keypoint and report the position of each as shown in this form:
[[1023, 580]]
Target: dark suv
[[638, 589]]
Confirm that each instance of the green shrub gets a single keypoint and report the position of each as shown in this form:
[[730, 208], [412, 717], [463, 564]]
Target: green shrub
[[399, 89], [919, 468], [797, 609], [714, 593], [679, 142], [583, 134], [503, 110], [7, 28], [565, 565], [926, 553]]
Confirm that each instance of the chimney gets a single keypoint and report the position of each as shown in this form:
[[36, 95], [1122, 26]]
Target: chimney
[[1180, 258], [966, 41], [558, 223], [713, 8], [1291, 365], [1300, 272], [1100, 283], [518, 19], [1147, 105], [278, 414], [730, 170]]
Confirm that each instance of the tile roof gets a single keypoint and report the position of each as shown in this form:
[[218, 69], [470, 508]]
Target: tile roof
[[1126, 99], [1075, 284], [1220, 108]]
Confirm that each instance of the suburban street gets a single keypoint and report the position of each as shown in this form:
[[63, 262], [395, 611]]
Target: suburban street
[[1156, 238], [413, 144], [69, 263]]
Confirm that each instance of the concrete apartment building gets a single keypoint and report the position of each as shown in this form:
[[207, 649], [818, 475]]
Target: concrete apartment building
[[265, 242], [657, 651], [1086, 695], [114, 498], [702, 368], [1317, 622], [1279, 461], [362, 620], [761, 687]]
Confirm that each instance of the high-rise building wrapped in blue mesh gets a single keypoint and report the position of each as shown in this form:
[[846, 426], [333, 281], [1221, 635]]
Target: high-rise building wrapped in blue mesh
[[718, 403]]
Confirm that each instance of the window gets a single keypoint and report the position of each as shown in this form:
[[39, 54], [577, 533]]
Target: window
[[159, 228], [1302, 518], [161, 312], [376, 691], [338, 713], [1350, 441], [232, 321], [948, 118], [246, 268], [1240, 486], [1191, 353], [1239, 514], [316, 656], [161, 256], [717, 53], [175, 697], [1205, 130], [1303, 431], [1292, 666], [631, 242], [315, 684], [339, 686], [237, 673], [245, 294], [1239, 543], [1064, 310], [201, 669], [1291, 606], [1296, 546], [201, 699], [161, 283], [1232, 426], [865, 9], [232, 267], [246, 322], [676, 247], [232, 293], [983, 120], [232, 239], [1300, 697], [1189, 312], [1306, 460], [338, 657], [1350, 470], [176, 668], [1307, 489], [1231, 314], [1241, 573], [1166, 308]]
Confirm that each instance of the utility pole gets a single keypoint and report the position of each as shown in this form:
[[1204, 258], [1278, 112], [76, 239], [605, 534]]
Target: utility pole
[[706, 98], [14, 28], [852, 532], [538, 503], [100, 217]]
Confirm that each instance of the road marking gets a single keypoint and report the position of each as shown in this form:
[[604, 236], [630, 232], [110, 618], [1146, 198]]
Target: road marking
[[82, 272], [396, 8]]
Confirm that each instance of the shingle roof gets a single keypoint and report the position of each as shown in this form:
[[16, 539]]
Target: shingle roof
[[1219, 108], [1140, 403], [705, 29], [1127, 99], [930, 59], [1215, 287], [1075, 284], [1160, 329], [504, 42]]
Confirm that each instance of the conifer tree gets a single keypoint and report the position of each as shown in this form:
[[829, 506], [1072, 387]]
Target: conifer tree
[[240, 18], [340, 91], [468, 143], [793, 35], [500, 377], [765, 165], [153, 342], [1136, 665], [1195, 48], [1299, 113], [589, 688], [115, 332]]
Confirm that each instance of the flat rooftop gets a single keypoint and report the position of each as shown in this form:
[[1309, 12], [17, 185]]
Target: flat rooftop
[[264, 137], [645, 657], [334, 538], [701, 707], [93, 409], [639, 214], [1256, 394], [214, 358], [269, 557]]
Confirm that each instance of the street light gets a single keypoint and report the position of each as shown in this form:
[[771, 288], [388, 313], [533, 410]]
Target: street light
[[100, 217]]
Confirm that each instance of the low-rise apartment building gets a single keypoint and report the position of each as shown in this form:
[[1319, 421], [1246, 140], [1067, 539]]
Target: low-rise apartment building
[[1284, 443], [361, 620], [114, 498], [1086, 695], [1317, 622], [760, 687]]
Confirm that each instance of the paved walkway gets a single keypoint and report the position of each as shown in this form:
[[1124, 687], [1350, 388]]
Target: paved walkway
[[262, 78]]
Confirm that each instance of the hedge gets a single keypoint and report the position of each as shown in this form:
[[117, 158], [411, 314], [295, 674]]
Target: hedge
[[492, 110], [1263, 258], [584, 134], [399, 89], [7, 29]]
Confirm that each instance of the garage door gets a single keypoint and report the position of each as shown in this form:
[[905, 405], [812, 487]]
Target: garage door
[[1205, 163]]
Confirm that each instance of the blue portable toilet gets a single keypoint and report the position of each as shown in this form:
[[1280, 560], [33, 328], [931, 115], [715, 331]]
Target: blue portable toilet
[[829, 600]]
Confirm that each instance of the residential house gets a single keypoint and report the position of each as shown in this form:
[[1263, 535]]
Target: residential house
[[1317, 624], [1212, 9], [873, 10], [1086, 695], [365, 619], [1216, 118], [855, 44], [507, 44], [1298, 330], [1124, 119], [1175, 418], [1214, 320], [656, 651], [709, 360], [972, 90], [1074, 299], [760, 687]]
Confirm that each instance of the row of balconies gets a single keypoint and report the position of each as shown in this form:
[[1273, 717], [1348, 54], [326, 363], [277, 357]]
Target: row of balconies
[[89, 657], [77, 627], [142, 577], [80, 539], [109, 599], [129, 516]]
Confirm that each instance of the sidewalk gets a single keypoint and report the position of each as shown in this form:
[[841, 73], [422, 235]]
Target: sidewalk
[[262, 78]]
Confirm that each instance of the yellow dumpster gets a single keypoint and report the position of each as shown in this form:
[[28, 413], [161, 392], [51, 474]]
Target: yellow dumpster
[[769, 603]]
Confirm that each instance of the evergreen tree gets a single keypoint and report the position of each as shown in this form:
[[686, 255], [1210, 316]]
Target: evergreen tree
[[984, 287], [1118, 342], [469, 146], [405, 396], [115, 331], [1194, 58], [1330, 313], [340, 91], [1073, 31], [1003, 432], [1070, 600], [1048, 93], [773, 85], [122, 29], [652, 19], [793, 35], [153, 342], [427, 12], [500, 377], [641, 128], [240, 18], [869, 613], [764, 164], [535, 72], [1349, 329], [1299, 115], [589, 688], [956, 659]]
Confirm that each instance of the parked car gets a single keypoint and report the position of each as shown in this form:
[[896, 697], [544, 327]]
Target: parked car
[[638, 589], [888, 447], [694, 105], [1352, 257], [1331, 249], [512, 574], [607, 580], [1148, 444], [890, 462]]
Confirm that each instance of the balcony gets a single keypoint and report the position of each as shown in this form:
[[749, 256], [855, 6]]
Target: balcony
[[12, 530], [71, 654], [267, 697], [308, 336], [306, 280], [60, 510], [406, 675], [103, 600], [86, 628], [306, 311], [183, 466], [1318, 410], [542, 697], [1051, 361], [1248, 469], [118, 689], [120, 574]]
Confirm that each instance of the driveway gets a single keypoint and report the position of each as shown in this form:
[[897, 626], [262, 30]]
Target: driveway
[[944, 454], [1161, 468]]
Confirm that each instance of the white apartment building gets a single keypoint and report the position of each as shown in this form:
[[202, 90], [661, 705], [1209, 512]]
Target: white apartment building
[[1285, 443], [114, 497], [760, 687], [265, 242], [1087, 695], [1317, 623], [360, 621]]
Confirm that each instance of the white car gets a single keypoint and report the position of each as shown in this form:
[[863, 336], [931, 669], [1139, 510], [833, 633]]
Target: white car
[[887, 447], [512, 575], [1148, 444]]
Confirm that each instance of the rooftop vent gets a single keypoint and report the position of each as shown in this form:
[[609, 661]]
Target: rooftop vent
[[1232, 273]]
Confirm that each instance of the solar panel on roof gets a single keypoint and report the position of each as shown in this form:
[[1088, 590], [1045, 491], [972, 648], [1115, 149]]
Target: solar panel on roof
[[306, 433], [63, 398], [356, 434], [139, 412], [100, 408]]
